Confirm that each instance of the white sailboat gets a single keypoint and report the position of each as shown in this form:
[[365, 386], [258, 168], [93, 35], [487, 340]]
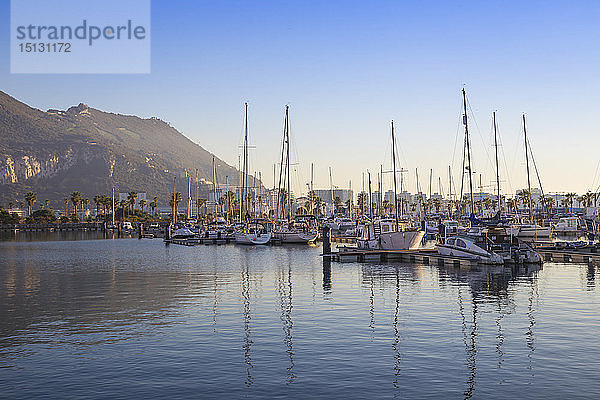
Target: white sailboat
[[289, 231], [251, 233], [389, 233]]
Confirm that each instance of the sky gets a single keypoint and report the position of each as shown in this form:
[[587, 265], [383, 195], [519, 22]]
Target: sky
[[346, 69]]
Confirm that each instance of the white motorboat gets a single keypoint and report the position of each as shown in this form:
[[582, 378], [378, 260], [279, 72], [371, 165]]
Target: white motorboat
[[466, 247], [567, 225], [183, 233], [530, 231]]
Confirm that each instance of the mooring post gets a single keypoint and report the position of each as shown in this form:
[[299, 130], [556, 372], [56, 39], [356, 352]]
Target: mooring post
[[326, 240], [168, 232]]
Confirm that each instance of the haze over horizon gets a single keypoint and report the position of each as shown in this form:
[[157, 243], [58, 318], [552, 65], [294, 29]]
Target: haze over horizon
[[346, 69]]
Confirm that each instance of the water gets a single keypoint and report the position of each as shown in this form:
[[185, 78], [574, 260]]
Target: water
[[136, 319]]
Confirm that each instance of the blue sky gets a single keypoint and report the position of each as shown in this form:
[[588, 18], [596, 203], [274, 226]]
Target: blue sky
[[347, 68]]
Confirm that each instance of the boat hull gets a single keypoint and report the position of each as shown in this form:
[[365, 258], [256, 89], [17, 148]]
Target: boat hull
[[252, 238], [295, 237]]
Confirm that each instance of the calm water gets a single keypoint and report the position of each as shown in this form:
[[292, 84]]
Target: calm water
[[136, 319]]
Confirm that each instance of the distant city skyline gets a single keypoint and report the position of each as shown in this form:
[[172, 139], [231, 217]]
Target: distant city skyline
[[347, 69]]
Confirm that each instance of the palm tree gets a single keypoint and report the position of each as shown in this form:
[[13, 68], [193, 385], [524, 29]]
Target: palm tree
[[199, 204], [175, 200], [337, 203], [152, 206], [30, 198], [123, 204], [155, 201], [361, 201], [142, 204], [87, 207], [66, 207], [131, 198], [98, 201], [76, 200], [570, 197]]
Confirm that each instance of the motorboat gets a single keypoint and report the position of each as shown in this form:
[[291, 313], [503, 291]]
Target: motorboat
[[461, 246], [529, 231], [183, 233], [567, 225]]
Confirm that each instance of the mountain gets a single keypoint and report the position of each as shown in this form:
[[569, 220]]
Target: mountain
[[54, 153]]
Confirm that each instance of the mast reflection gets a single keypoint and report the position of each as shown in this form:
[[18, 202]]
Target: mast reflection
[[284, 292], [245, 283]]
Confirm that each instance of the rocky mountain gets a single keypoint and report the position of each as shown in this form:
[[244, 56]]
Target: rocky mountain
[[54, 153]]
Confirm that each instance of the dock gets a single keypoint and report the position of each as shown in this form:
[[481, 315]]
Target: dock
[[421, 256]]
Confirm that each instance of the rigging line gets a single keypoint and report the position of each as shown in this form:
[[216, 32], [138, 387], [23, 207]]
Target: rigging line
[[535, 167], [516, 155], [595, 175], [489, 160], [501, 145], [458, 132]]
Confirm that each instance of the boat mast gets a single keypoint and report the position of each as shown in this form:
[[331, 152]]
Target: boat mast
[[113, 206], [287, 167], [394, 172], [468, 144], [331, 193], [311, 194], [245, 171], [528, 179], [419, 192], [450, 191], [215, 187], [189, 194], [280, 199], [370, 198], [196, 203], [497, 167]]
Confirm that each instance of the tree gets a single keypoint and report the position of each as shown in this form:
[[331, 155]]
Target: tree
[[338, 205], [131, 198], [142, 204], [155, 201], [570, 197], [175, 200], [98, 201], [42, 216], [361, 201], [66, 207], [76, 199], [123, 205], [87, 207], [152, 206], [30, 198]]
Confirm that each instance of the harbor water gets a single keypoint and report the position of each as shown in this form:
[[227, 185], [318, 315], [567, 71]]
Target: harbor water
[[129, 318]]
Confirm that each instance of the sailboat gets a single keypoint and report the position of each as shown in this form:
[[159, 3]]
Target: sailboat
[[250, 232], [529, 230], [288, 230], [389, 233]]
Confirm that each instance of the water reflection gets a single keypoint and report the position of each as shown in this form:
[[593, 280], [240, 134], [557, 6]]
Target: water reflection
[[236, 322], [245, 285], [284, 293]]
